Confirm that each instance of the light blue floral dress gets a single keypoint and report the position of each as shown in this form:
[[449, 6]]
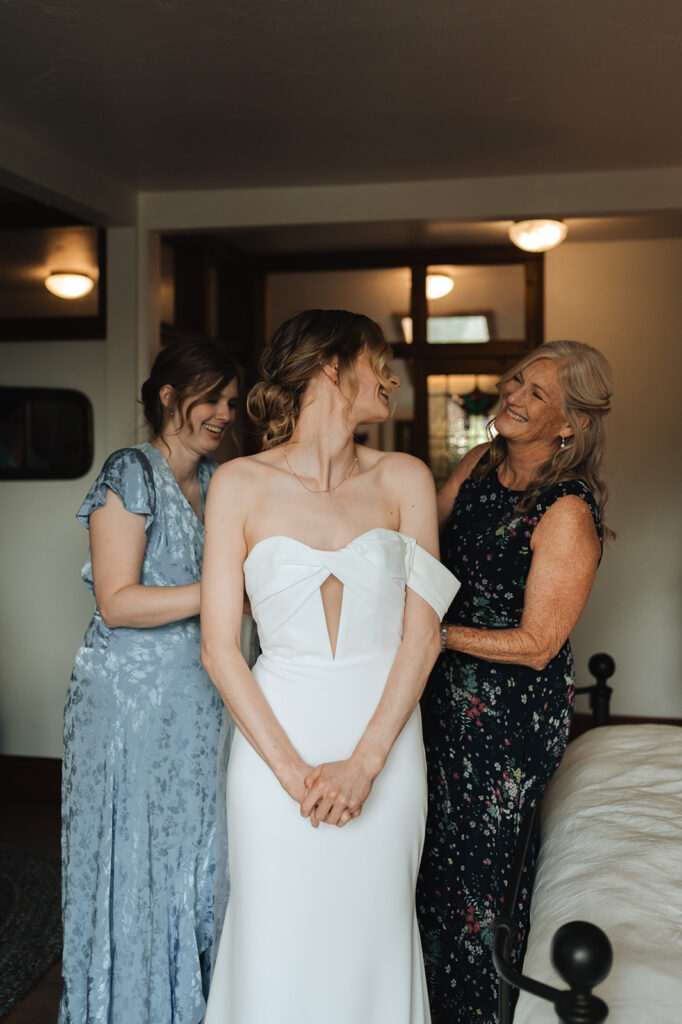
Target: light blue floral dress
[[141, 729]]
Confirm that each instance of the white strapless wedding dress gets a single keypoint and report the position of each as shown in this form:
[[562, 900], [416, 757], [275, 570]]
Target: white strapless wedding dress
[[321, 925]]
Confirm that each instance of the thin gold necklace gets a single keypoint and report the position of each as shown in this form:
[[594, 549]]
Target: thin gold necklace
[[313, 490]]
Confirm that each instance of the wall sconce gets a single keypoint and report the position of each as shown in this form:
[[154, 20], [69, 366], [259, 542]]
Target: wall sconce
[[69, 284], [438, 285], [537, 235]]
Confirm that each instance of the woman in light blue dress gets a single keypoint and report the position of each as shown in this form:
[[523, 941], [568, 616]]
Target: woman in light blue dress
[[142, 719]]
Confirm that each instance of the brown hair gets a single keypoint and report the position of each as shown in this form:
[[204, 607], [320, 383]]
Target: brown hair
[[191, 367], [298, 350], [586, 388]]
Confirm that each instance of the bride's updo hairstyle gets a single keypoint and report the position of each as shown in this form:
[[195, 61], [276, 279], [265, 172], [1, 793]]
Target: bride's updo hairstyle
[[297, 352], [193, 368]]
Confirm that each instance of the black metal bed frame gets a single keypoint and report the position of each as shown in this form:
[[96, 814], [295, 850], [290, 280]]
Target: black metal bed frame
[[581, 952], [602, 667]]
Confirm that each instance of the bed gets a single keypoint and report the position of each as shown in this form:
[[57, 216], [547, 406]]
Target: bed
[[611, 854]]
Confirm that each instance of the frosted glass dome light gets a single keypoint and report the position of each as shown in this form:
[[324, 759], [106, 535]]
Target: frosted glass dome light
[[537, 235], [69, 284], [438, 285]]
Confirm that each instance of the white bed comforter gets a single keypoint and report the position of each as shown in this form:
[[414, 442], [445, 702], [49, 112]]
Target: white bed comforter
[[612, 854]]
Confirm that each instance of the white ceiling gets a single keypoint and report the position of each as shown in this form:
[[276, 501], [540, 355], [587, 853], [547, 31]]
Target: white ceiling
[[194, 94]]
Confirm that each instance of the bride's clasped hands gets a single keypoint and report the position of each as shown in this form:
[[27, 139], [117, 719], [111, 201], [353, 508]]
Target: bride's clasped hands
[[333, 793], [336, 792]]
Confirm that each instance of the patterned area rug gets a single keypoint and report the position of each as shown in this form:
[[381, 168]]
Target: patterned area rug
[[30, 921]]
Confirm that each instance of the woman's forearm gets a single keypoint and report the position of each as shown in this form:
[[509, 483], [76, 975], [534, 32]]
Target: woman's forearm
[[566, 553], [140, 607], [341, 788], [519, 646], [404, 686], [251, 712]]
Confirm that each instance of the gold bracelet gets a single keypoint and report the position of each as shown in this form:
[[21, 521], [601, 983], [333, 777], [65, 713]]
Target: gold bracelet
[[444, 636]]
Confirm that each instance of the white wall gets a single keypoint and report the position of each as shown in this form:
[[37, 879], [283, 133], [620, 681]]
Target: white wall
[[42, 548], [384, 295], [625, 298], [44, 606], [459, 199]]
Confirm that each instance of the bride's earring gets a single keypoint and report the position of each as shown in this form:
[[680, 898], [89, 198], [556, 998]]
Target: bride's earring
[[563, 441]]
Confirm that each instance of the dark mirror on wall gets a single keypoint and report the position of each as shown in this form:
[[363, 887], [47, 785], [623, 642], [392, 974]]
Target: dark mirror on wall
[[45, 434]]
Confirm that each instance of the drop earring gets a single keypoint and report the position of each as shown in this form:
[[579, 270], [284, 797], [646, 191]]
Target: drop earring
[[563, 441]]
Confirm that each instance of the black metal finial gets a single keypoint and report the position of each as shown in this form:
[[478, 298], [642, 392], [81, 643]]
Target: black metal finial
[[602, 666], [582, 955]]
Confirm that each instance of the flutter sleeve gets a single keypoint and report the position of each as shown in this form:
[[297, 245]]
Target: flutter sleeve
[[128, 474], [428, 578]]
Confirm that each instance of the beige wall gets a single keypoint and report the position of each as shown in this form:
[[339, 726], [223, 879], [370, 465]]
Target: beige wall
[[622, 296], [384, 295], [600, 194], [43, 603], [625, 298], [44, 606]]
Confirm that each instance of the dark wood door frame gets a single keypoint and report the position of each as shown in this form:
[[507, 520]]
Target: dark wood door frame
[[425, 358]]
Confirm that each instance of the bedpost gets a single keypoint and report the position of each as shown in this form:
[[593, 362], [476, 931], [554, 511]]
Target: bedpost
[[582, 955], [602, 667]]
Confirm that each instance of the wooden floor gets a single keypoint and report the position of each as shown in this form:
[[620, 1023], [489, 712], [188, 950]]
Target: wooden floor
[[35, 826]]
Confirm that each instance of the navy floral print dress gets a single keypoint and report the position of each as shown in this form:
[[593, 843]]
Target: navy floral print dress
[[141, 729], [494, 735]]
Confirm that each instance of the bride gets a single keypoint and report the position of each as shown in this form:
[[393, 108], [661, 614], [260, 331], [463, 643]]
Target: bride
[[337, 546]]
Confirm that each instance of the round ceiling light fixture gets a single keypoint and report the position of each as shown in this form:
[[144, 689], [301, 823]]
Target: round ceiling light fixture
[[438, 285], [69, 284], [537, 235]]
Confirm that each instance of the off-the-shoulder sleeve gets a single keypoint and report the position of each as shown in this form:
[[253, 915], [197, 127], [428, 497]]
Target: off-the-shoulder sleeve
[[428, 578], [128, 473]]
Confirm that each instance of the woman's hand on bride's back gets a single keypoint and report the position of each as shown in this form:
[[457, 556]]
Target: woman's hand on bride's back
[[336, 791]]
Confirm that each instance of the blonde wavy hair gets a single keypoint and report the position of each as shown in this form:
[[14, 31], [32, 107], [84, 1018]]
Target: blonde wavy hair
[[298, 350], [586, 383]]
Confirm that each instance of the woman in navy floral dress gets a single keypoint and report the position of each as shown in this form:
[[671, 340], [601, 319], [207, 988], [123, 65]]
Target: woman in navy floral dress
[[142, 718], [523, 529]]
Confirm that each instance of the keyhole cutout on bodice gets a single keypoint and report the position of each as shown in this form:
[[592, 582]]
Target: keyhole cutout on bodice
[[331, 593]]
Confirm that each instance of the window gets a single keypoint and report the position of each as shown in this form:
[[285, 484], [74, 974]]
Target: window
[[460, 407]]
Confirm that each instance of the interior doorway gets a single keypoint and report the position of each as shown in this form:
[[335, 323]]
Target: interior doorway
[[456, 319], [450, 347]]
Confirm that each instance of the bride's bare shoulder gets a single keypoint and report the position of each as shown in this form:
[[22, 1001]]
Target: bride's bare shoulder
[[246, 471], [397, 467]]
